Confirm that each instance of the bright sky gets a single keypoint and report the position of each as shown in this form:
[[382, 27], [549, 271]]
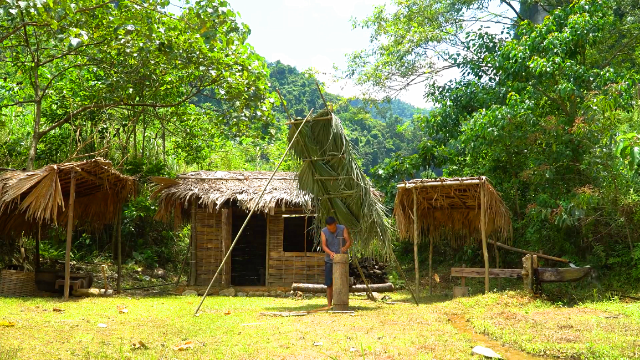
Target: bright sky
[[316, 33], [312, 33]]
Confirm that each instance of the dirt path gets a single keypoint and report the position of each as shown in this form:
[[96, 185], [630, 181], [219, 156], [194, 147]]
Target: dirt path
[[463, 327]]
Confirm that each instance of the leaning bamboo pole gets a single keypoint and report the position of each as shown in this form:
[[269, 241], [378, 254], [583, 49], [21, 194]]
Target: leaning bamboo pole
[[253, 209], [67, 257], [483, 230]]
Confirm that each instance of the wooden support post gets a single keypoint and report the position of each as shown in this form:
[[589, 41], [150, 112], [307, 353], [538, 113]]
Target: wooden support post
[[226, 243], [266, 262], [463, 278], [415, 238], [37, 260], [119, 228], [495, 250], [67, 258], [341, 282], [192, 248], [430, 270], [529, 265], [483, 230]]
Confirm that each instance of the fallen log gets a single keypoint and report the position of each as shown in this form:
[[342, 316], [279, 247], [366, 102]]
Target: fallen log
[[318, 288]]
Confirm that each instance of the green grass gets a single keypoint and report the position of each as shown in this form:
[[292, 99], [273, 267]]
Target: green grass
[[376, 330]]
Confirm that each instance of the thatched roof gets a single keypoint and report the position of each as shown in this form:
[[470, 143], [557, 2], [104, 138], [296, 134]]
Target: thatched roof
[[450, 209], [340, 188], [29, 199], [212, 189]]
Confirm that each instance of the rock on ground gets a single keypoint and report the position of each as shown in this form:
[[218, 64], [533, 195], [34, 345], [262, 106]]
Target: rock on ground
[[189, 293], [227, 292]]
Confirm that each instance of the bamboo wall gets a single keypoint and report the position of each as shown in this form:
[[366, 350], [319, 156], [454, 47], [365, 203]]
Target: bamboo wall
[[287, 268], [283, 269], [208, 246]]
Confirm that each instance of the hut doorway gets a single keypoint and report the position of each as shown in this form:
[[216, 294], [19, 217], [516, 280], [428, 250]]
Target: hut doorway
[[249, 256]]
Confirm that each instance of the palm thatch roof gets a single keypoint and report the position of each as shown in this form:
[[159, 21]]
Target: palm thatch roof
[[212, 189], [340, 188], [29, 199], [450, 208]]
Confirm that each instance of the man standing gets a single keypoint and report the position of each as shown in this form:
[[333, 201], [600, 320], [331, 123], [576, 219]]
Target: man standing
[[333, 238]]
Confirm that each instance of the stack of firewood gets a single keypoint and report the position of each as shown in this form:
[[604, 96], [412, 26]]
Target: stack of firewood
[[374, 271]]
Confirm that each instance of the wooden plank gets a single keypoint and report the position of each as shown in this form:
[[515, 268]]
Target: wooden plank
[[415, 238], [480, 272]]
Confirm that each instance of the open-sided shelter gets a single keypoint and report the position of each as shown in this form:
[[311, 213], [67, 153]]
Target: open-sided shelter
[[460, 210], [90, 192], [276, 248]]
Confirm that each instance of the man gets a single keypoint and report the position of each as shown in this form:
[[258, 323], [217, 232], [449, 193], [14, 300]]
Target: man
[[333, 238]]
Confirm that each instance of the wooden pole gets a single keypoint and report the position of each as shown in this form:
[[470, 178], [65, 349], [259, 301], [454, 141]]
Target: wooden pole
[[341, 282], [415, 238], [495, 250], [67, 258], [543, 256], [119, 225], [430, 262], [37, 262], [192, 274], [483, 230]]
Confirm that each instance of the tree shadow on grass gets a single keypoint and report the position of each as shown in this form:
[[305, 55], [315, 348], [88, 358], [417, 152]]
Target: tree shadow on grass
[[315, 307]]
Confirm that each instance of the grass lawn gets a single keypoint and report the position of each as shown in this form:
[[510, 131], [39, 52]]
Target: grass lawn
[[232, 328]]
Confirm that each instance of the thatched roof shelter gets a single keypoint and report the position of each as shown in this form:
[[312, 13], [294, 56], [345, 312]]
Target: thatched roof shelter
[[212, 189], [460, 209], [30, 199], [90, 192], [341, 189], [450, 209]]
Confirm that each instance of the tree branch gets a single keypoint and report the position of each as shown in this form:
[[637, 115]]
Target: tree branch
[[514, 9]]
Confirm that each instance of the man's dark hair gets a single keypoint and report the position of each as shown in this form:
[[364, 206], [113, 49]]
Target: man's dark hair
[[330, 220]]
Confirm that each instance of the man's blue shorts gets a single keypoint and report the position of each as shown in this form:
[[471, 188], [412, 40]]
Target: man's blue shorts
[[328, 274]]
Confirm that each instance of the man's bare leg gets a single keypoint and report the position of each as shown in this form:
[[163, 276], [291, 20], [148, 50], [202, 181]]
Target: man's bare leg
[[329, 295]]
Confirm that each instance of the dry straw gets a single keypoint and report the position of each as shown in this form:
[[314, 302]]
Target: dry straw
[[450, 209], [31, 198], [212, 189]]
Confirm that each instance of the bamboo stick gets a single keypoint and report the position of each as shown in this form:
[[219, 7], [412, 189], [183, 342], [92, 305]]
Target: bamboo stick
[[324, 158], [119, 281], [485, 253], [184, 177], [67, 257], [315, 119], [440, 183], [548, 257], [193, 274], [249, 216], [430, 262], [415, 238]]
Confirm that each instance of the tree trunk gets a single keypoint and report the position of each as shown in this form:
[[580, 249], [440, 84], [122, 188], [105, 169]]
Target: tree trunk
[[35, 138]]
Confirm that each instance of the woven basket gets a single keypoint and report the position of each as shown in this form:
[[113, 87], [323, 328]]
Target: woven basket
[[17, 283]]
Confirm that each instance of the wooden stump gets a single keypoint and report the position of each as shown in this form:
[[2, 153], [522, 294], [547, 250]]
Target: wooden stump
[[341, 282]]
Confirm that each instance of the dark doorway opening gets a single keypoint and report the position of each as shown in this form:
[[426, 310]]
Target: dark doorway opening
[[249, 256]]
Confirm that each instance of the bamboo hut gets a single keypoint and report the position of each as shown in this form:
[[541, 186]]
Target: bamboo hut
[[276, 248], [90, 192], [461, 210]]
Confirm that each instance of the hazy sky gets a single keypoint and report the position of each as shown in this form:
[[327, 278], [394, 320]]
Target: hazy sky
[[311, 33]]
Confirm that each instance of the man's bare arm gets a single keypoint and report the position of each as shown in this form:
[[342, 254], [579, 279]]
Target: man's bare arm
[[348, 244]]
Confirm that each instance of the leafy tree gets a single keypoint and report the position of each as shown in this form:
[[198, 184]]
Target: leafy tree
[[89, 58]]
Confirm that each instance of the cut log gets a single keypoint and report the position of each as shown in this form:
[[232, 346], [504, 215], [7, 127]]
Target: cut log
[[479, 272], [562, 274], [318, 288]]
